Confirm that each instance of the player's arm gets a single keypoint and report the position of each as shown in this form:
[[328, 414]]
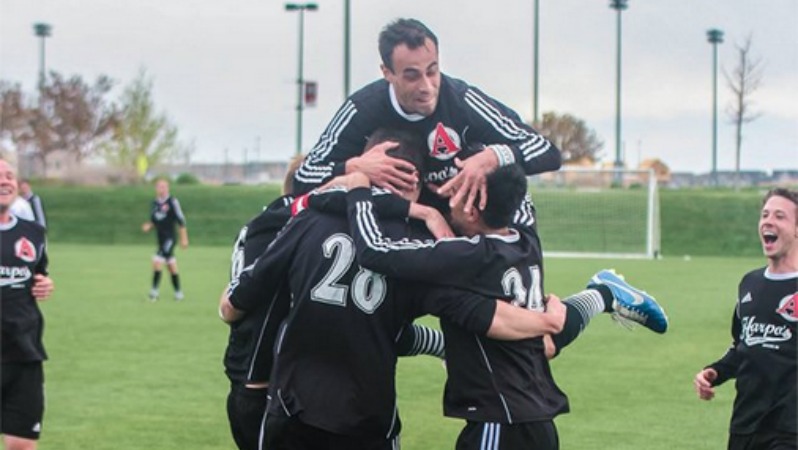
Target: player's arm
[[508, 141], [493, 318], [181, 222], [723, 369], [261, 280], [42, 283], [449, 261], [183, 236]]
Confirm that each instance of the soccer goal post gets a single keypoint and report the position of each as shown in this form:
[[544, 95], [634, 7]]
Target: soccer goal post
[[602, 213]]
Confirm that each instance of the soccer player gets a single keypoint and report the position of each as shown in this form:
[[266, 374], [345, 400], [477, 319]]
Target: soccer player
[[35, 202], [449, 113], [503, 389], [165, 215], [763, 353], [333, 381], [23, 282]]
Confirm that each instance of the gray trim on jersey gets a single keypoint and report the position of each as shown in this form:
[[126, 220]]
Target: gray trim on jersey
[[179, 212], [309, 172], [490, 369]]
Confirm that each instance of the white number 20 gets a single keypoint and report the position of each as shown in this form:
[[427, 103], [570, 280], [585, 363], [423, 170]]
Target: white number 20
[[368, 289]]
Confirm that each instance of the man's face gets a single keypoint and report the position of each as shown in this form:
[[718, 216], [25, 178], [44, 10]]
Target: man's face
[[162, 189], [24, 188], [415, 77], [778, 230], [8, 185]]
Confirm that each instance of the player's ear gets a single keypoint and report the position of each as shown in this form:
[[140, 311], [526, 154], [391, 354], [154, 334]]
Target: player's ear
[[386, 72]]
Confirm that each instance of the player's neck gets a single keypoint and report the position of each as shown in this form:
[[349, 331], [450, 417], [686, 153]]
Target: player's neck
[[5, 215], [787, 263]]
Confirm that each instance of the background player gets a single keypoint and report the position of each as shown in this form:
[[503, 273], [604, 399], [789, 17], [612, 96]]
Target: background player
[[23, 282], [165, 215], [763, 353], [35, 202]]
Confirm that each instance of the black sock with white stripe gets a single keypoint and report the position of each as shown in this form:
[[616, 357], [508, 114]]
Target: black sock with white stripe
[[579, 309], [421, 340]]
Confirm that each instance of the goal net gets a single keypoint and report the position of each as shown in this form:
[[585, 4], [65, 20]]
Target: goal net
[[604, 213]]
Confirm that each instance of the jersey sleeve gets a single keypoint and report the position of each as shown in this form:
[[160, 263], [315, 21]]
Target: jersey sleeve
[[343, 138], [181, 219], [471, 311], [452, 262], [498, 126], [420, 340], [261, 280], [727, 366], [334, 201]]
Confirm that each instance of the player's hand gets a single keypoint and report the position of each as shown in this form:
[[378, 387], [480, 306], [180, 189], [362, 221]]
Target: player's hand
[[471, 180], [42, 287], [556, 310], [394, 174], [703, 383], [184, 243], [146, 227]]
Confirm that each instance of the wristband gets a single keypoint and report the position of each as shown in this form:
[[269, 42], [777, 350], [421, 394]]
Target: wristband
[[504, 154]]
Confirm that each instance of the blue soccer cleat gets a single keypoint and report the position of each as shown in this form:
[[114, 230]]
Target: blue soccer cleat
[[631, 303]]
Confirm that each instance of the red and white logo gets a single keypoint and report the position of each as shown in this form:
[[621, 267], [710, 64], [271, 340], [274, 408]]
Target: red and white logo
[[443, 143], [788, 307], [25, 250]]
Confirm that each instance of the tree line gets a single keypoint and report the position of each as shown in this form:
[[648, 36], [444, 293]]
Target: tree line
[[80, 118]]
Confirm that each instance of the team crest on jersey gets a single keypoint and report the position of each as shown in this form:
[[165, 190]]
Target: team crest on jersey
[[25, 250], [788, 307], [443, 143]]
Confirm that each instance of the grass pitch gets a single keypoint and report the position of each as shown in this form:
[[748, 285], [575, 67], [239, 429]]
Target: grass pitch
[[125, 373]]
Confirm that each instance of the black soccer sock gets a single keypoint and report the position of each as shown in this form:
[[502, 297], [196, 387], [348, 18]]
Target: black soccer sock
[[176, 282], [421, 340], [606, 294], [156, 279], [579, 309]]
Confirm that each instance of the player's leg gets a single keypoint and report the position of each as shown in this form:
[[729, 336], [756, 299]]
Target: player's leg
[[171, 263], [158, 261], [245, 410], [22, 405]]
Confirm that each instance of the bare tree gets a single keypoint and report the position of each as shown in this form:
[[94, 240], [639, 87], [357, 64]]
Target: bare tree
[[570, 134], [13, 115], [743, 81]]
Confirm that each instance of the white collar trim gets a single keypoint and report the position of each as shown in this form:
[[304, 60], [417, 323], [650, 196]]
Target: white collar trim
[[395, 103]]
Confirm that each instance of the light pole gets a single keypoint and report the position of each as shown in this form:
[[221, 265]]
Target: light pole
[[347, 29], [42, 30], [535, 62], [300, 82], [715, 37], [618, 5]]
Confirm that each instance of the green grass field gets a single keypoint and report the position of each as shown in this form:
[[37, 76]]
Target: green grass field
[[128, 374]]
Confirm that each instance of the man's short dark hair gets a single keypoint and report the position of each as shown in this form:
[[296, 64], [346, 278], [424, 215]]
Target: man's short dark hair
[[789, 194], [410, 32], [410, 149], [506, 188]]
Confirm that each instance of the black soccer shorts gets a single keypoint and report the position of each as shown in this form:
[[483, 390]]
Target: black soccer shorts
[[166, 248], [496, 436], [22, 400], [245, 410]]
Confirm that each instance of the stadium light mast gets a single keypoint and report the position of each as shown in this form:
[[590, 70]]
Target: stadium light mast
[[43, 31], [715, 37], [347, 49], [300, 82], [619, 6], [536, 20]]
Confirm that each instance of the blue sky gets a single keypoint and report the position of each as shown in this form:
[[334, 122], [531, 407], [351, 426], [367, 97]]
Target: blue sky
[[225, 71]]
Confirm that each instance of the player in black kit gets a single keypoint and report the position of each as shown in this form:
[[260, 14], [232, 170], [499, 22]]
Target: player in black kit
[[165, 215], [447, 112], [763, 353], [333, 381], [23, 282]]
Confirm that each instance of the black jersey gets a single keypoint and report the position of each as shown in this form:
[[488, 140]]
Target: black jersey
[[489, 380], [22, 255], [165, 214], [763, 354], [38, 209], [258, 328], [336, 353], [464, 115]]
